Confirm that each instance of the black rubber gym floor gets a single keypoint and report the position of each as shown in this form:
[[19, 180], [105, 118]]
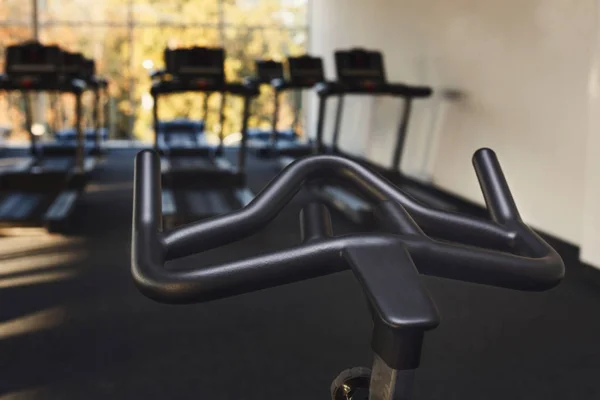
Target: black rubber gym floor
[[73, 326]]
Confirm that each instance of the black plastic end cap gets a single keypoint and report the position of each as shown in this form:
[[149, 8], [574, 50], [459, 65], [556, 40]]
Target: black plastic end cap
[[315, 222], [400, 350]]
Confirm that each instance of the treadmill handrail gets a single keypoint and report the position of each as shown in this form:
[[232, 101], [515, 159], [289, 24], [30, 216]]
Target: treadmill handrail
[[74, 86], [537, 267], [244, 89], [325, 89], [281, 85]]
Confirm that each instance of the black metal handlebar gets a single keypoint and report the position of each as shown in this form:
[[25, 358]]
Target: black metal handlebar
[[536, 267]]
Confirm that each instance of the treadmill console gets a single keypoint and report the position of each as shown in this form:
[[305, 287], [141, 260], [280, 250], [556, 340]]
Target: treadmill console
[[88, 69], [200, 64], [33, 60], [73, 65], [306, 70], [267, 70], [360, 67]]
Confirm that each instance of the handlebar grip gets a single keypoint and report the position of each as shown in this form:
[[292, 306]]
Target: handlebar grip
[[495, 189], [147, 196]]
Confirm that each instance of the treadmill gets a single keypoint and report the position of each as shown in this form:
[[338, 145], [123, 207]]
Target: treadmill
[[258, 139], [178, 133], [200, 181], [304, 73], [41, 191], [61, 153], [361, 72]]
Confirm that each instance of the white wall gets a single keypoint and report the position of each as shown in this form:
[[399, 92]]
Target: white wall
[[590, 249], [523, 67]]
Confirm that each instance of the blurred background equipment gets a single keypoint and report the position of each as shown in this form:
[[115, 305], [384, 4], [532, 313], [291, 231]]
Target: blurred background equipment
[[199, 180], [266, 72], [41, 190], [304, 72], [127, 38]]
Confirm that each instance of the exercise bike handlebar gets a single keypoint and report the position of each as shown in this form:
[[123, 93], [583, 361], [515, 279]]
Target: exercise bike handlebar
[[408, 223]]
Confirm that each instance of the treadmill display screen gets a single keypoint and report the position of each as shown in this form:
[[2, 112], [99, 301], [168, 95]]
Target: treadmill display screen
[[306, 69], [267, 70], [88, 69], [73, 64], [358, 66], [196, 63], [32, 58]]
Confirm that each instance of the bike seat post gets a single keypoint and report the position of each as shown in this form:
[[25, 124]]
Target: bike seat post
[[390, 384]]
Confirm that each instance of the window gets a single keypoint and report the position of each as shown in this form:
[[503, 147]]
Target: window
[[150, 42], [15, 26], [127, 39]]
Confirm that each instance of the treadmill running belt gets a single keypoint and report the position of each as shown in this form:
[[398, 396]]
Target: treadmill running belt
[[181, 140], [18, 206], [191, 163], [57, 164], [19, 164]]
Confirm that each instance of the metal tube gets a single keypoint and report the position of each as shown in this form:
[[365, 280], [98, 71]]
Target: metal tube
[[320, 125], [244, 131], [338, 123], [402, 129], [205, 108], [390, 384], [155, 119], [35, 20], [495, 188], [222, 123], [132, 80], [275, 120], [96, 115], [79, 150], [33, 150], [106, 111], [473, 231], [296, 95]]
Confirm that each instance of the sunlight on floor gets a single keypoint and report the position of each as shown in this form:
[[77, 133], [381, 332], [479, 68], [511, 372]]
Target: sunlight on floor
[[34, 322], [17, 231], [36, 278], [24, 261], [13, 245], [27, 394], [108, 187]]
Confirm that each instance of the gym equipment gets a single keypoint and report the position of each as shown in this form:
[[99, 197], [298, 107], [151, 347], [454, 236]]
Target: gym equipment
[[304, 73], [93, 136], [206, 73], [182, 133], [200, 181], [412, 239], [266, 72], [362, 72], [42, 191]]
